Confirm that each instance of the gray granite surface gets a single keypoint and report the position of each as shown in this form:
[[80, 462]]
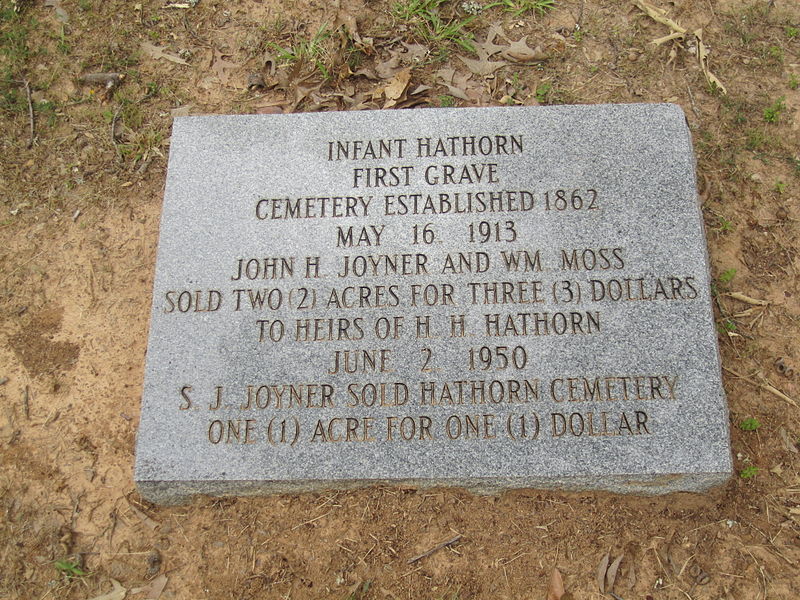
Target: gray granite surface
[[487, 298]]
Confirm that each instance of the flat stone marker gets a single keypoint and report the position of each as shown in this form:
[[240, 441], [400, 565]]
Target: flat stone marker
[[486, 298]]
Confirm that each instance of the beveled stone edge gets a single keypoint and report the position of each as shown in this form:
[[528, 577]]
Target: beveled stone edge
[[183, 492]]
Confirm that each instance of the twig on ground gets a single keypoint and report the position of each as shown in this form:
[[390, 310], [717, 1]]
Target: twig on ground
[[310, 521], [438, 546], [107, 79], [747, 299], [691, 99], [114, 126], [766, 386]]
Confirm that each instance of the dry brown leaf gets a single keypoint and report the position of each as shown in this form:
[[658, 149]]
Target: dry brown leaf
[[787, 441], [601, 573], [153, 590], [359, 101], [482, 66], [680, 33], [702, 56], [520, 51], [367, 46], [301, 92], [416, 53], [368, 73], [457, 88], [395, 89], [348, 21], [155, 52], [659, 15], [270, 62], [457, 92], [223, 68], [488, 47], [387, 68], [118, 593], [611, 574], [555, 591]]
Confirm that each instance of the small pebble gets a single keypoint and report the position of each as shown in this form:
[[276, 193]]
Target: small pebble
[[153, 563]]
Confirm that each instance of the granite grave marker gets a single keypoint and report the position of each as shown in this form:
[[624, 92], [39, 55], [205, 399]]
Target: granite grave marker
[[488, 298]]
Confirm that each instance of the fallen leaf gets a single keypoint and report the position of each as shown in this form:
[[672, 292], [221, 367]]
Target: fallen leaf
[[387, 68], [601, 573], [611, 574], [153, 590], [118, 593], [301, 92], [156, 52], [659, 15], [520, 51], [270, 62], [348, 21], [487, 47], [223, 68], [482, 66], [681, 33], [416, 52], [485, 50], [555, 591], [787, 442], [702, 56], [456, 86], [396, 87], [368, 73]]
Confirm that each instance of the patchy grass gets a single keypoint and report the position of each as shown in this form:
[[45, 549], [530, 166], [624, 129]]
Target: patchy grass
[[518, 8], [748, 472], [750, 424], [543, 92], [314, 51], [431, 24], [69, 569], [773, 112], [727, 276], [15, 52]]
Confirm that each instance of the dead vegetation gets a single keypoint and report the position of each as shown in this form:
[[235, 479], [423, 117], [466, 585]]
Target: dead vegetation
[[87, 93]]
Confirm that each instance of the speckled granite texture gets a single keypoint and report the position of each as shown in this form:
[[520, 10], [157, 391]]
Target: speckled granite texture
[[487, 298]]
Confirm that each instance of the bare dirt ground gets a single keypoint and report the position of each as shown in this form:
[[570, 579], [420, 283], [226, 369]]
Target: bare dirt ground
[[80, 198]]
